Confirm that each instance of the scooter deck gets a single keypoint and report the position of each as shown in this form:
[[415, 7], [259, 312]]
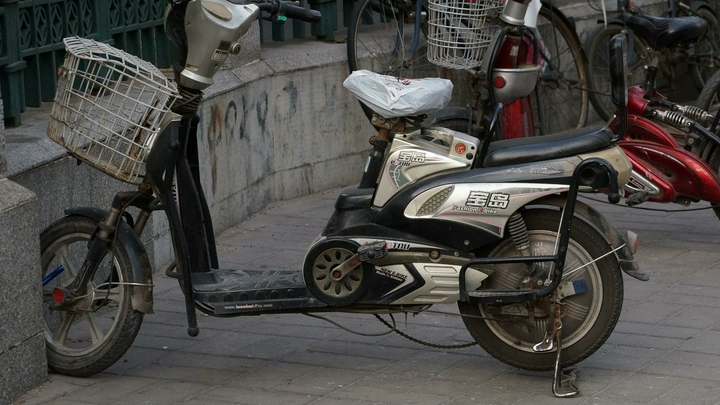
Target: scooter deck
[[230, 292]]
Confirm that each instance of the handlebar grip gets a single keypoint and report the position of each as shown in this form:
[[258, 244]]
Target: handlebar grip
[[304, 14]]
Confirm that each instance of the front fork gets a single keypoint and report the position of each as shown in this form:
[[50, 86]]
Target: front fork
[[102, 242]]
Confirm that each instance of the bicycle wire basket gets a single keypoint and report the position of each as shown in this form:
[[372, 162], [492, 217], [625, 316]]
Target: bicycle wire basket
[[108, 107], [459, 31]]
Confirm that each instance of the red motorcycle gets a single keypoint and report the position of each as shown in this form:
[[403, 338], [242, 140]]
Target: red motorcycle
[[664, 141]]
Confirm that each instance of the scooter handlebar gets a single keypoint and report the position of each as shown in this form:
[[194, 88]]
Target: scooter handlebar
[[301, 13], [283, 8]]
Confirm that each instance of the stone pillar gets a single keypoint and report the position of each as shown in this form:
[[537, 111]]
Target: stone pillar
[[3, 160], [22, 341]]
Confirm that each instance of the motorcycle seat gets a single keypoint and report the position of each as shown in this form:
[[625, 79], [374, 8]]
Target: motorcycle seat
[[661, 33], [555, 146]]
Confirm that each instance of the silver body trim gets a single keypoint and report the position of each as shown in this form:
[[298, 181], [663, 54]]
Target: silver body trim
[[486, 206], [422, 153]]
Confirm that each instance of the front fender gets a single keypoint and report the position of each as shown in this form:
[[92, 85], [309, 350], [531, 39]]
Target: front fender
[[142, 299], [595, 219]]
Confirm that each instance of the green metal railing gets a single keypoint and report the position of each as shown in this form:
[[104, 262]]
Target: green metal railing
[[31, 33], [31, 48]]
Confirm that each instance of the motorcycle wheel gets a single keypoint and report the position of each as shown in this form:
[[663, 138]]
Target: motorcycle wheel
[[714, 163], [101, 327], [590, 318], [709, 100]]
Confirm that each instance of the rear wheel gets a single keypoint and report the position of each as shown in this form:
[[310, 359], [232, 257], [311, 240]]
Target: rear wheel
[[563, 101], [599, 68], [382, 39], [91, 335], [590, 316]]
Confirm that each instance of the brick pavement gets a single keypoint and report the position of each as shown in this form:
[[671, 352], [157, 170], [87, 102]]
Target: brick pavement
[[665, 349]]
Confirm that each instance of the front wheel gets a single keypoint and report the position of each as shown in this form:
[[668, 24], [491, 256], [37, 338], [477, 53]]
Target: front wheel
[[93, 333], [508, 332]]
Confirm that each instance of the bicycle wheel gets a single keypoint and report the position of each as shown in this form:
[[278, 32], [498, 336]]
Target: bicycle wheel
[[599, 68], [99, 327], [704, 62], [562, 103], [381, 38]]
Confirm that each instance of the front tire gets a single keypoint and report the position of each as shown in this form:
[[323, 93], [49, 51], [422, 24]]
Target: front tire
[[95, 333], [591, 315]]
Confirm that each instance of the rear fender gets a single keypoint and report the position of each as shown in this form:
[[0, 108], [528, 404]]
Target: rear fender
[[643, 129], [142, 299], [687, 173], [595, 219]]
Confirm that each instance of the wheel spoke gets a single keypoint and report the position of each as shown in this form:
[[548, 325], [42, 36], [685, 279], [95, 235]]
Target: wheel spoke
[[64, 256], [61, 334], [96, 334]]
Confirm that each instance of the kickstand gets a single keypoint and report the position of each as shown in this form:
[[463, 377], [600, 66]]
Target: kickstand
[[563, 384]]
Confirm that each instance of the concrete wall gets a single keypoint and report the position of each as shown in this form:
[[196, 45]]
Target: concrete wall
[[274, 129]]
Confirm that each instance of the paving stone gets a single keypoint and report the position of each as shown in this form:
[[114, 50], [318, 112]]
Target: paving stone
[[387, 394], [274, 374], [110, 388], [706, 342], [217, 361], [362, 350], [650, 312], [166, 392], [689, 371], [323, 381], [136, 357], [48, 392], [426, 364], [641, 388], [191, 373], [695, 392], [338, 361], [643, 341], [622, 358], [253, 397], [645, 329]]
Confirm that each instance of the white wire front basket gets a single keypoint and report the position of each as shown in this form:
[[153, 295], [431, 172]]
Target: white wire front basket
[[108, 108], [460, 31]]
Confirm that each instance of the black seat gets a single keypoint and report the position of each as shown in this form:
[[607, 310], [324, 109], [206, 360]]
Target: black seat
[[533, 149], [660, 33]]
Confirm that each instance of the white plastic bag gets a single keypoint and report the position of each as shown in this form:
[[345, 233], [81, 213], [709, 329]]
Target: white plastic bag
[[392, 96]]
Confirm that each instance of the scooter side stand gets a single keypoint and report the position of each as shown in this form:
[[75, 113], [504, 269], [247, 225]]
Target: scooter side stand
[[563, 383]]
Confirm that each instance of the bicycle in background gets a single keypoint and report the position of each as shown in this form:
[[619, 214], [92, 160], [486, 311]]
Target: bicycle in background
[[391, 37], [702, 56]]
